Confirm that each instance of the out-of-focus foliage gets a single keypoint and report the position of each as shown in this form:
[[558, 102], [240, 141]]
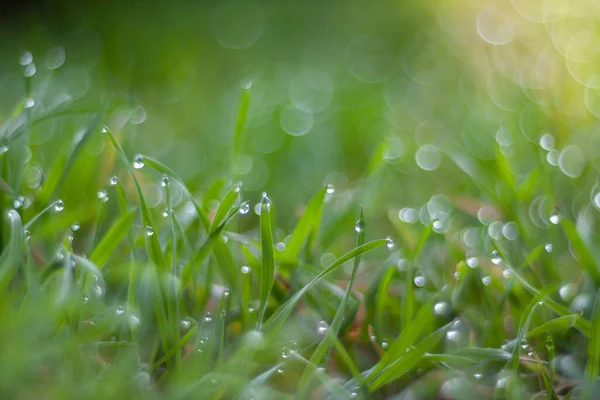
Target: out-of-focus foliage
[[132, 265]]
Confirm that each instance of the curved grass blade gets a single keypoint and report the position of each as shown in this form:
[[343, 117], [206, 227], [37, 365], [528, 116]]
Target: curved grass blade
[[279, 317], [325, 345], [557, 324], [409, 298], [586, 259], [226, 205], [11, 255], [397, 367], [406, 339], [240, 126], [309, 222]]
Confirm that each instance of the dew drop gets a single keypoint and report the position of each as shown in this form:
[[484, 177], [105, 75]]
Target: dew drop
[[166, 212], [330, 189], [555, 218], [441, 308], [226, 293], [102, 195], [359, 226], [207, 317], [26, 58], [185, 324], [120, 310], [453, 335], [322, 327], [29, 103], [245, 269], [104, 129], [567, 292], [27, 234], [548, 247], [547, 142], [265, 203], [384, 344], [477, 376], [402, 264], [280, 370], [473, 262], [486, 280], [113, 181], [251, 307], [18, 202], [419, 281], [245, 208], [280, 246], [286, 352], [496, 259], [164, 181], [29, 70], [58, 206], [3, 149], [237, 187], [507, 273], [389, 242], [149, 231], [138, 162]]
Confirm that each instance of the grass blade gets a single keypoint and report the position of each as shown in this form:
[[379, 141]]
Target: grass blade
[[267, 270], [112, 239]]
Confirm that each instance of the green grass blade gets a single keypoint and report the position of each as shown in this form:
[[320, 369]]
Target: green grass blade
[[225, 207], [309, 222], [325, 345], [112, 239], [586, 259], [591, 389], [267, 270], [240, 127], [281, 314], [12, 253], [396, 368]]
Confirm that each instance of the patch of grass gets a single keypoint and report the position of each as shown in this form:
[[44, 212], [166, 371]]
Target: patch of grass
[[124, 277]]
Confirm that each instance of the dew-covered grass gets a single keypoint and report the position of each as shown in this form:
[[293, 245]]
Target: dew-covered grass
[[263, 202]]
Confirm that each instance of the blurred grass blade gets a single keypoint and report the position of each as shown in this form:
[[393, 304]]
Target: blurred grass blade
[[225, 207], [591, 387], [281, 314], [309, 222], [240, 127], [557, 324], [267, 270], [586, 259], [112, 239], [12, 253], [393, 369], [325, 345], [480, 354], [407, 338]]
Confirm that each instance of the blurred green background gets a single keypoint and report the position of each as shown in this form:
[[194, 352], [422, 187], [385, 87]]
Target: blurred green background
[[419, 96]]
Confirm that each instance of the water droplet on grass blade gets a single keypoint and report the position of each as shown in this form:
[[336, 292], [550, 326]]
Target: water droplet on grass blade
[[138, 162], [441, 309], [496, 259], [27, 234], [554, 217], [389, 242], [473, 262], [102, 195], [548, 247], [30, 70], [207, 317], [330, 189], [149, 231], [507, 273], [322, 327], [29, 103], [245, 208], [245, 269], [359, 226], [280, 246], [486, 280], [59, 205], [164, 181], [419, 281], [547, 142], [113, 181], [185, 324], [26, 58], [265, 202]]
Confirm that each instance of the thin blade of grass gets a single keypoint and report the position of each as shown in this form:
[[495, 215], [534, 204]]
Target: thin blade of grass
[[591, 388], [586, 259], [267, 270], [281, 314], [112, 239], [325, 345]]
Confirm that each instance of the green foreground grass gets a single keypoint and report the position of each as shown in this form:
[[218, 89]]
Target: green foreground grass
[[120, 278]]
